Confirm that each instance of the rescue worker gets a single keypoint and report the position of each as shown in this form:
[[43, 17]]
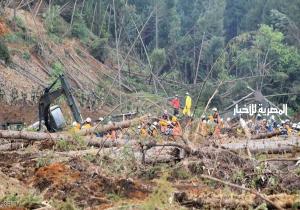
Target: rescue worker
[[176, 130], [152, 130], [87, 124], [203, 128], [164, 122], [142, 130], [169, 130], [218, 123], [111, 134], [286, 125], [264, 126], [75, 126], [175, 103], [165, 115], [188, 105]]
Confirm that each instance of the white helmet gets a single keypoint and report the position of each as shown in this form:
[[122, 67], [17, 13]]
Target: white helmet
[[101, 119], [215, 109], [74, 123], [155, 123], [139, 127], [187, 93], [228, 119], [165, 111], [88, 120]]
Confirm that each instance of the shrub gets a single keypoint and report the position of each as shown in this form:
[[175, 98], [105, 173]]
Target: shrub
[[26, 55], [4, 53], [79, 28], [53, 22], [57, 69], [63, 145], [29, 201], [69, 204], [99, 49]]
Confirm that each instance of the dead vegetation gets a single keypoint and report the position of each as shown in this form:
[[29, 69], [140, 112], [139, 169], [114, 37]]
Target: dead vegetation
[[114, 177], [66, 171]]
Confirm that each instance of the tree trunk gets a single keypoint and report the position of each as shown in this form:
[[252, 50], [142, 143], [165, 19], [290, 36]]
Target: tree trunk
[[37, 136], [265, 145]]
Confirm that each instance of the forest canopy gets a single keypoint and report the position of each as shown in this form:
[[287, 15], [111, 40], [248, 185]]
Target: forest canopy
[[255, 42]]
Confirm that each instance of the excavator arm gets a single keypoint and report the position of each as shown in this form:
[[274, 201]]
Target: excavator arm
[[49, 97]]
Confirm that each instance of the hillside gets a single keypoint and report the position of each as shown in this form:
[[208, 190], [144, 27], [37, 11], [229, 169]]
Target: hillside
[[180, 101], [36, 60]]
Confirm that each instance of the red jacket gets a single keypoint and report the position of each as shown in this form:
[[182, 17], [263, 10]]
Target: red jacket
[[175, 103]]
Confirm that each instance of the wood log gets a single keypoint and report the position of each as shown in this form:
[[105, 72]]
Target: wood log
[[113, 126], [33, 136], [266, 135], [265, 145], [38, 136]]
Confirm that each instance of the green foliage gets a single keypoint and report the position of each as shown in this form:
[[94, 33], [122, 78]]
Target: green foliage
[[238, 176], [26, 55], [89, 157], [99, 49], [158, 58], [69, 204], [79, 141], [43, 161], [160, 198], [125, 162], [57, 70], [4, 53], [180, 173], [53, 22], [28, 201], [64, 145], [19, 23], [79, 28], [114, 197]]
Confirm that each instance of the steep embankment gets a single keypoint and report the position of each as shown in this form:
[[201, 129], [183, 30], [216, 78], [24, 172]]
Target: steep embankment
[[35, 60]]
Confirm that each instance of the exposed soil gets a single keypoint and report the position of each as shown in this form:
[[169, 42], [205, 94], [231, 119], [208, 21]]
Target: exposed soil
[[29, 113]]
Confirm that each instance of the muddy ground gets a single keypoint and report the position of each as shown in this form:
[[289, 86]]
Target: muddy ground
[[28, 113], [46, 174]]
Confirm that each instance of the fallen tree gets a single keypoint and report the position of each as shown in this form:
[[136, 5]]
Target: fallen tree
[[266, 135], [265, 145], [38, 136]]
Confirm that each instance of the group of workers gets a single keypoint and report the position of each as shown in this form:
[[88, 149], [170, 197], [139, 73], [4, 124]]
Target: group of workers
[[211, 125], [167, 125], [215, 125], [110, 134], [175, 103], [271, 125]]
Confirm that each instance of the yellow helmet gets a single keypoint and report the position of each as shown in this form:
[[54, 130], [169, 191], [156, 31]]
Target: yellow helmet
[[174, 119]]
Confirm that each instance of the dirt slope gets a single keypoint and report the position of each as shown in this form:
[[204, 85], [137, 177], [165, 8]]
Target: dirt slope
[[22, 81]]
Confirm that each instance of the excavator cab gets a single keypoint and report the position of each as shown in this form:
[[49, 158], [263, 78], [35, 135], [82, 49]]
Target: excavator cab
[[52, 116], [57, 120]]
